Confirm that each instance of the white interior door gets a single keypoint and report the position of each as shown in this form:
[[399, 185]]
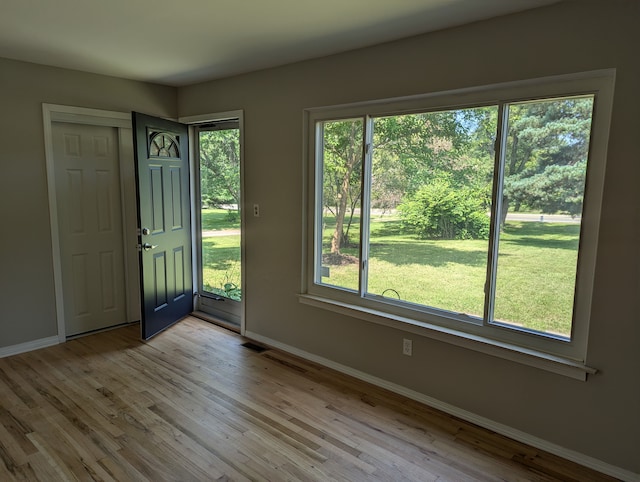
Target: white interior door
[[90, 227]]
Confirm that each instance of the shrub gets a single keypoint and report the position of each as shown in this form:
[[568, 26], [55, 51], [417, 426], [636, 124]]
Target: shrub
[[232, 215], [440, 211]]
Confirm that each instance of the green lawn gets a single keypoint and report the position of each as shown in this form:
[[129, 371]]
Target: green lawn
[[536, 272], [218, 219], [221, 254], [534, 288]]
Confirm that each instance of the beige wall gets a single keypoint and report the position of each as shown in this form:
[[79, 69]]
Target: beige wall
[[599, 418], [27, 304]]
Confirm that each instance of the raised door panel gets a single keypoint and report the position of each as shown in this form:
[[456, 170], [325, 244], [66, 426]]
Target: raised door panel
[[177, 207], [156, 201]]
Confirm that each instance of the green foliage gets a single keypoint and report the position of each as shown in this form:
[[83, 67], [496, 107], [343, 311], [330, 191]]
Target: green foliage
[[546, 154], [229, 290], [232, 216], [548, 132], [441, 211], [409, 150], [557, 188], [342, 168], [342, 158], [220, 167]]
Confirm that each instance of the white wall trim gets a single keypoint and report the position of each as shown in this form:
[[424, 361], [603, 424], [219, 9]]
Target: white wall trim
[[488, 346], [502, 429], [78, 115], [212, 117], [28, 346]]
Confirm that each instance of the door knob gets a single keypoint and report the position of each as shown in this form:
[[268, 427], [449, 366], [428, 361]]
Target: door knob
[[148, 247], [146, 231]]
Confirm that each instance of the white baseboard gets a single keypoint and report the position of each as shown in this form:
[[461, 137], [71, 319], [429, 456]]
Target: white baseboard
[[502, 429], [28, 346]]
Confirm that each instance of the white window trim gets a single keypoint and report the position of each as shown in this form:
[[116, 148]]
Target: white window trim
[[507, 351], [567, 358]]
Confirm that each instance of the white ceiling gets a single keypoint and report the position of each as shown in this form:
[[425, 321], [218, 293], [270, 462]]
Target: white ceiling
[[179, 42]]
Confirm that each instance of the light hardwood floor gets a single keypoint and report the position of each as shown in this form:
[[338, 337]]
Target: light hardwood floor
[[194, 404]]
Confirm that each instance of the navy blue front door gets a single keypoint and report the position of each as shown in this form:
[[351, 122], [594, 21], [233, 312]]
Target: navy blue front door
[[164, 221]]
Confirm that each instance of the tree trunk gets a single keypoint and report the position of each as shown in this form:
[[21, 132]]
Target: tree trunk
[[353, 155], [336, 240], [503, 211]]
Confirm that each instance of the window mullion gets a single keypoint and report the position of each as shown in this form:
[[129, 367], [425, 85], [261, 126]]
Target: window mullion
[[496, 210], [365, 205]]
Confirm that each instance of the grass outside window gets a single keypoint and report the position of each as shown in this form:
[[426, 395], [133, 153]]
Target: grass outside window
[[415, 269], [221, 253]]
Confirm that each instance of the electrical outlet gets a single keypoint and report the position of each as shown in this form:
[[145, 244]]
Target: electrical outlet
[[256, 210], [407, 347]]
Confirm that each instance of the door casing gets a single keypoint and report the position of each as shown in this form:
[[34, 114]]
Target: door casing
[[195, 206], [91, 226], [122, 122]]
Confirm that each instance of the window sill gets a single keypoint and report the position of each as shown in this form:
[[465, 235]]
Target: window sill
[[525, 356]]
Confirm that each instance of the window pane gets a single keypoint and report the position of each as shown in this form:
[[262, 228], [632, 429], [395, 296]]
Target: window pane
[[341, 194], [545, 169], [430, 200], [219, 152]]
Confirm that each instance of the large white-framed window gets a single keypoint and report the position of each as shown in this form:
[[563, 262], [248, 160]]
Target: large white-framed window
[[470, 214]]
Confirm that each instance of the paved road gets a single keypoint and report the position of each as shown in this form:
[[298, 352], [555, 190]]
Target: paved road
[[220, 232], [547, 218]]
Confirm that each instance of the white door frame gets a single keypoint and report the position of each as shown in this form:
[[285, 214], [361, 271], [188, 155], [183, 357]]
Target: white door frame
[[195, 198], [121, 121]]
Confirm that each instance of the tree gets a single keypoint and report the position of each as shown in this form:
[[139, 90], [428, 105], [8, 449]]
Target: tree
[[546, 155], [220, 166], [413, 150], [409, 152], [556, 189], [342, 156]]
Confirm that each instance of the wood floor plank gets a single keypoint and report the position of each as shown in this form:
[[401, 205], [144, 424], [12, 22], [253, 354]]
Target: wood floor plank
[[193, 404], [57, 455]]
